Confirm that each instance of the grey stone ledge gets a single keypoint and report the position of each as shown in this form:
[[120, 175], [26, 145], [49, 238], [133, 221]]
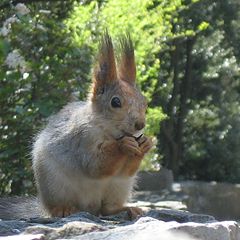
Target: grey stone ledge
[[155, 224]]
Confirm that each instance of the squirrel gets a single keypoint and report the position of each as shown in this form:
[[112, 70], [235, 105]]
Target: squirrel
[[87, 157]]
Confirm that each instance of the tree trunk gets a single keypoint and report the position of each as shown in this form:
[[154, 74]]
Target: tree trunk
[[183, 105], [167, 126], [176, 109]]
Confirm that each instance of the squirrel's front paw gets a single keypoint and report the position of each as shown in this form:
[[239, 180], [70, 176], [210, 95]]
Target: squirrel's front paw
[[130, 146], [145, 144]]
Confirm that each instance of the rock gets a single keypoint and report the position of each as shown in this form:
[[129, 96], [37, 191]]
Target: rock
[[155, 181], [177, 205], [228, 230], [158, 222], [12, 227], [194, 196], [25, 237], [180, 216], [145, 228], [66, 230], [84, 226], [204, 231], [218, 199]]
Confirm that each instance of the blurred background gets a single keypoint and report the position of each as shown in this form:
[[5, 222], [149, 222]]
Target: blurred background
[[187, 53]]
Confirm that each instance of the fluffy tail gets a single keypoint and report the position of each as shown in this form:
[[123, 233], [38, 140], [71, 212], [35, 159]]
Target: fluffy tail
[[20, 208]]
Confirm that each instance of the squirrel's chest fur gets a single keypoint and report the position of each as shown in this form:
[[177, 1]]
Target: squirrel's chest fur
[[69, 142]]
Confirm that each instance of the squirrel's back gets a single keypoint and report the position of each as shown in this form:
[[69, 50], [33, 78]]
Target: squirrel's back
[[65, 120]]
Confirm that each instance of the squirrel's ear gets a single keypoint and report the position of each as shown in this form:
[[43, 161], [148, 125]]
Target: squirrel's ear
[[126, 65], [105, 70]]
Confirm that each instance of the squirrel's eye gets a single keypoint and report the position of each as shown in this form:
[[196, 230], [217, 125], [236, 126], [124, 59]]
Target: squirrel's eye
[[116, 103]]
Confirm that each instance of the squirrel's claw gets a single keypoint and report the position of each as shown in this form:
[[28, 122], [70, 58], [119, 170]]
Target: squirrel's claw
[[130, 146], [146, 144], [134, 212], [62, 211]]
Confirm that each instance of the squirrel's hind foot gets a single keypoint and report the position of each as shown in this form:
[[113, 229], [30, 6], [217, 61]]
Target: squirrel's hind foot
[[134, 212], [62, 211]]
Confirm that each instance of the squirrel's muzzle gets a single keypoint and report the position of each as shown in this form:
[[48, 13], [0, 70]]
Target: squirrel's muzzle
[[139, 125]]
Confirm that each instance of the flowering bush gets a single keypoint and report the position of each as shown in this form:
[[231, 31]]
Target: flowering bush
[[40, 71]]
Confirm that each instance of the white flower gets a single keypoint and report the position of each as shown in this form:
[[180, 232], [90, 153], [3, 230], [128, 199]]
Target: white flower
[[4, 31], [11, 20], [40, 27], [44, 11], [22, 9], [15, 60], [7, 25], [25, 75]]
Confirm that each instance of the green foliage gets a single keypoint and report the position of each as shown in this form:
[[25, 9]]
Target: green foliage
[[152, 159], [203, 26], [153, 116], [40, 69], [212, 142]]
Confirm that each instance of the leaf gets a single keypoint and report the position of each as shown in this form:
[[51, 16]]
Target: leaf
[[203, 26]]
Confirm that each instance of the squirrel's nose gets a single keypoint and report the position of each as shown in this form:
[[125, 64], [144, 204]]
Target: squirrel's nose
[[139, 125]]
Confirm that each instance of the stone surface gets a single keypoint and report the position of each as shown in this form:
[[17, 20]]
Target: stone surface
[[145, 228], [165, 218], [228, 230], [218, 199], [155, 181], [194, 196], [12, 227], [179, 216], [159, 199], [162, 224]]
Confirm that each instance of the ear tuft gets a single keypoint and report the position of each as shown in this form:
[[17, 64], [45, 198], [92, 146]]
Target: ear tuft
[[105, 70], [126, 65]]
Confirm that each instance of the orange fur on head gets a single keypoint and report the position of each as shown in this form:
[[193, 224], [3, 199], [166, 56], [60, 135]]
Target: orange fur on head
[[126, 66], [105, 71]]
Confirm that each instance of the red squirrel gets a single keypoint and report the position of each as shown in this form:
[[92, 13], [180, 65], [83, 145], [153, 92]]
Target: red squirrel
[[87, 157]]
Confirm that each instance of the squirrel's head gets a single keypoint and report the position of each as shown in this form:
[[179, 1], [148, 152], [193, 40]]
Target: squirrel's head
[[114, 92]]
